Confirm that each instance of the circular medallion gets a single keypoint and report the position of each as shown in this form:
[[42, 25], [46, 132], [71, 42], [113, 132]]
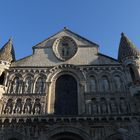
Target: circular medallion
[[64, 48]]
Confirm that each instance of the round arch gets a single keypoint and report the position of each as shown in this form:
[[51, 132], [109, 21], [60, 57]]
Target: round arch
[[13, 136], [66, 131], [52, 78], [66, 101]]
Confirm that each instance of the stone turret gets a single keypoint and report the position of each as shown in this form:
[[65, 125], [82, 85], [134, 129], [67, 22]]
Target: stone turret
[[127, 50], [129, 56], [7, 56], [7, 52]]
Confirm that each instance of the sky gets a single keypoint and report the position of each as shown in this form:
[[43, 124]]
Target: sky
[[29, 22]]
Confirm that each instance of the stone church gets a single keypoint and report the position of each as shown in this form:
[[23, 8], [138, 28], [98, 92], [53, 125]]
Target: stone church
[[68, 90]]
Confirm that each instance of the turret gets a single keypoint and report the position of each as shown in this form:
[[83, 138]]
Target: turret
[[7, 56], [129, 56]]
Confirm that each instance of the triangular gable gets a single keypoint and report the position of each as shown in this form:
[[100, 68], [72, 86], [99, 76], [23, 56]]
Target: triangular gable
[[81, 41]]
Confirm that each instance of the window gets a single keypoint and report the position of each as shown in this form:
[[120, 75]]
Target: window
[[2, 78]]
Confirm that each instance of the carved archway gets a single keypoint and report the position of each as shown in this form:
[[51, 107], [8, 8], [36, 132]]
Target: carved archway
[[13, 139], [66, 101], [57, 72], [65, 132], [66, 136]]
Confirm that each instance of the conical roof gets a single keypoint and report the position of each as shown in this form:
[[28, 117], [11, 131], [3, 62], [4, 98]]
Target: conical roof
[[7, 52], [127, 49]]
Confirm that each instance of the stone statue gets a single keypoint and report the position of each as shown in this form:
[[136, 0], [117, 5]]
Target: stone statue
[[15, 86], [65, 49], [113, 106], [105, 84], [123, 107], [37, 109], [40, 87], [104, 107], [94, 108], [28, 85], [9, 107], [8, 110], [27, 107], [18, 110], [18, 106], [118, 82], [92, 85]]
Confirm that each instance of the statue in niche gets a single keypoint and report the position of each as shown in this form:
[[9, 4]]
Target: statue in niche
[[8, 110], [18, 107], [113, 106], [28, 85], [18, 110], [92, 85], [37, 110], [15, 85], [105, 84], [40, 87], [123, 107], [103, 107], [94, 108], [118, 82], [65, 49], [37, 107], [9, 107], [27, 107]]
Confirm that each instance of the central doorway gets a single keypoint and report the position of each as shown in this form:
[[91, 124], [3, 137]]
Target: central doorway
[[66, 101], [12, 139], [66, 136]]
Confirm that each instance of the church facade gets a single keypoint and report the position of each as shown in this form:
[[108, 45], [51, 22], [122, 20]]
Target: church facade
[[68, 90]]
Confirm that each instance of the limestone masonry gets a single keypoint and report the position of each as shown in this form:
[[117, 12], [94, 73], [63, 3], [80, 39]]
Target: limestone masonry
[[68, 90]]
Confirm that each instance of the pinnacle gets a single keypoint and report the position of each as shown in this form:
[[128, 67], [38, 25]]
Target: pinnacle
[[7, 52], [127, 49]]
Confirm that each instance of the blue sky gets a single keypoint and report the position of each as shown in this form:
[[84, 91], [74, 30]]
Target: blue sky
[[101, 21]]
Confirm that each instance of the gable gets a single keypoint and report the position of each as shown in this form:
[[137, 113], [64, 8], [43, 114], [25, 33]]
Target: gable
[[80, 52], [80, 41]]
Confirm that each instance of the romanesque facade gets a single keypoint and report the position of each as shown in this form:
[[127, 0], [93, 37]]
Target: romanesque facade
[[68, 90]]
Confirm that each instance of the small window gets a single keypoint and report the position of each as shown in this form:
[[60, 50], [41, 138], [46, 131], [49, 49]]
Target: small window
[[132, 74], [2, 78]]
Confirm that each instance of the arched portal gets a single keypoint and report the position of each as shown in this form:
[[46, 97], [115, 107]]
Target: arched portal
[[66, 136], [66, 101], [12, 139]]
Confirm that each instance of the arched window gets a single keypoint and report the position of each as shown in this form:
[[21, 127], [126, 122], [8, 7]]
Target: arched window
[[105, 84], [2, 78], [92, 84], [40, 85]]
